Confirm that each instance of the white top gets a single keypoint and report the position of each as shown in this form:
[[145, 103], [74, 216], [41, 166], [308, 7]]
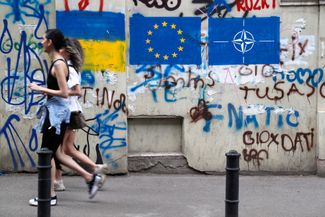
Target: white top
[[74, 79]]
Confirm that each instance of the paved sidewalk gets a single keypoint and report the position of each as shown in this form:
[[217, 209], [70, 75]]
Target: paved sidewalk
[[148, 195]]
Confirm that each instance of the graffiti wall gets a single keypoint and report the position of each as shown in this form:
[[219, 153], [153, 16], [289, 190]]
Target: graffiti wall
[[22, 61], [23, 24], [100, 28], [241, 75]]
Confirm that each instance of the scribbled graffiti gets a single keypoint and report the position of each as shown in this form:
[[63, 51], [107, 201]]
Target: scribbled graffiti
[[112, 133], [254, 155], [297, 46], [86, 147], [22, 63], [220, 8], [19, 10], [201, 111], [169, 5], [15, 144], [14, 89], [83, 5], [170, 79], [33, 44]]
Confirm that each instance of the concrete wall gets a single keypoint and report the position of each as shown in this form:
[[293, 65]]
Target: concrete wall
[[267, 112]]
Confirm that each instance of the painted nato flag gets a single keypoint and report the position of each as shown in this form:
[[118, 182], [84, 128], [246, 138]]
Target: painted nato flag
[[165, 40], [244, 41]]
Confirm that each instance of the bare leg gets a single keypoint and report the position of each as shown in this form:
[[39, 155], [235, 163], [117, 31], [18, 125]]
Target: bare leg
[[53, 169], [70, 163], [69, 149], [58, 175]]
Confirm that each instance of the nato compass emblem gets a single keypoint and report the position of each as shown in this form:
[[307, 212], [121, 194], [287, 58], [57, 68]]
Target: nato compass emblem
[[253, 40], [243, 41]]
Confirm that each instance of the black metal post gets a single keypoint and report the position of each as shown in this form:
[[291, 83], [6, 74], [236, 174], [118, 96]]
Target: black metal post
[[232, 184], [44, 182]]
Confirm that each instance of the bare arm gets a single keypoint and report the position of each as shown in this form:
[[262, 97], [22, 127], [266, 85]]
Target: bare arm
[[75, 91], [60, 71]]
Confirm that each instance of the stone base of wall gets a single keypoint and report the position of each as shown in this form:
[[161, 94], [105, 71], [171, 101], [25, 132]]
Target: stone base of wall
[[321, 167], [172, 163]]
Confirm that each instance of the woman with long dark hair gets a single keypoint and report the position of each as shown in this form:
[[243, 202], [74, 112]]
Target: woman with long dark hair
[[55, 113]]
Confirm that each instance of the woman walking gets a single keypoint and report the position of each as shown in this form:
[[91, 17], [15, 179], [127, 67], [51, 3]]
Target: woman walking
[[73, 53], [56, 113]]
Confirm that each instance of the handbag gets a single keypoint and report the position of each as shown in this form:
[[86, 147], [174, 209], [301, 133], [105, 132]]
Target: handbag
[[77, 120]]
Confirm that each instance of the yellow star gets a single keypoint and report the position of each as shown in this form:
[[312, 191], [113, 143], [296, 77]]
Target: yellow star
[[166, 57], [150, 49], [180, 48], [164, 24], [148, 41], [173, 26], [149, 32], [180, 32], [174, 55], [155, 26], [157, 55], [182, 40]]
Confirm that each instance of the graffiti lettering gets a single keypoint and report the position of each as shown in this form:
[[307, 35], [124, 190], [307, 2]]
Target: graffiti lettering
[[278, 92], [169, 5], [301, 76], [287, 142], [250, 5], [238, 119], [266, 71]]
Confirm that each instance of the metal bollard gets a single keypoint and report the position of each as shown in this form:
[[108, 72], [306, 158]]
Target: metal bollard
[[232, 184], [44, 182]]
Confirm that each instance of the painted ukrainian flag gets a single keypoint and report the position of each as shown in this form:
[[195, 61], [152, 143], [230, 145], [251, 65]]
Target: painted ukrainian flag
[[101, 35]]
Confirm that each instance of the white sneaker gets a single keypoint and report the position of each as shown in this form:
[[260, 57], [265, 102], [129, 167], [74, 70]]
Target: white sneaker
[[34, 201], [93, 185], [59, 186]]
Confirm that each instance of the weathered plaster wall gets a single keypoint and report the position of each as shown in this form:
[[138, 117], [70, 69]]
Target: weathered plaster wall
[[21, 61], [320, 103], [267, 112]]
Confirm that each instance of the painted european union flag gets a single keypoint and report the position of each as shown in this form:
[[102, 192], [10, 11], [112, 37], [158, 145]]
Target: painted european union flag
[[165, 40], [244, 41]]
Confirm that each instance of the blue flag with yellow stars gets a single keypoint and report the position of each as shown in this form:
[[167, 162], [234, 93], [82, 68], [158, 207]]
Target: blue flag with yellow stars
[[244, 41], [165, 40]]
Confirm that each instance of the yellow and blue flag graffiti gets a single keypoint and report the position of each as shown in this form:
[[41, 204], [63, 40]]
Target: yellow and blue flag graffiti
[[244, 41], [101, 34], [165, 40]]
